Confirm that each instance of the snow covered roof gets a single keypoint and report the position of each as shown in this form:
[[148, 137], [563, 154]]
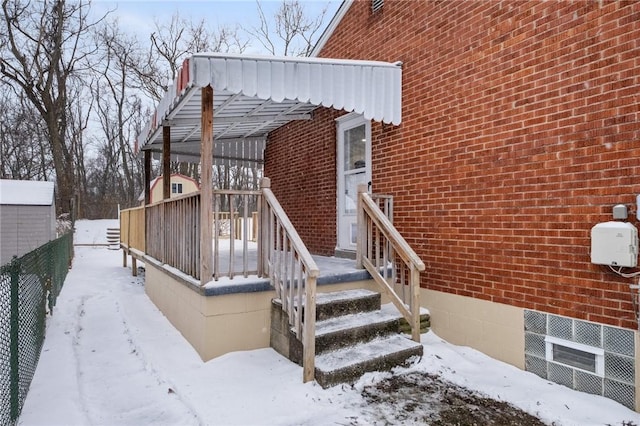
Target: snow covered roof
[[26, 192], [254, 95]]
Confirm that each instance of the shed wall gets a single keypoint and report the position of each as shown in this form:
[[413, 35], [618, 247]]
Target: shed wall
[[24, 228], [520, 132]]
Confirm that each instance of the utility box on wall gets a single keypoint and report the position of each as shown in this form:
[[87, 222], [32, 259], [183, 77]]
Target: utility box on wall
[[614, 244]]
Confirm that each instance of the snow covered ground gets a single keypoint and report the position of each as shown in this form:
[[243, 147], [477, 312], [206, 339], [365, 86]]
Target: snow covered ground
[[111, 358]]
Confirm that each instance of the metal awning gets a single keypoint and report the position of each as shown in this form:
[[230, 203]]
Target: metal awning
[[254, 95]]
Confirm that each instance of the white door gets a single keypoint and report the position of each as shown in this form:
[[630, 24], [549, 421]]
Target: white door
[[353, 168]]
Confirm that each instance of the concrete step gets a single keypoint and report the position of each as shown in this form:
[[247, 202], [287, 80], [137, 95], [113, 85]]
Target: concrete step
[[348, 364], [347, 330], [334, 304]]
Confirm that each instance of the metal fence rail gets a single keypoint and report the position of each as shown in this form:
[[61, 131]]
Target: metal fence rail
[[29, 287]]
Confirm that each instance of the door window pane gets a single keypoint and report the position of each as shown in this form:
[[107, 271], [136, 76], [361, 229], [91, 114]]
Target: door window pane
[[355, 143], [351, 182]]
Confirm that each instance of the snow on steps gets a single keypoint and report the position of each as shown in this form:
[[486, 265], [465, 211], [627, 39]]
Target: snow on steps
[[347, 346], [347, 364], [337, 332], [354, 335], [346, 302]]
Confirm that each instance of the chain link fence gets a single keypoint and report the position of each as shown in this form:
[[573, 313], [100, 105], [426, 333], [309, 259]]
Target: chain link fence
[[29, 287]]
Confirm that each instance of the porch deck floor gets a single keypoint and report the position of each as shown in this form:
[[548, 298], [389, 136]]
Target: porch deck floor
[[333, 270]]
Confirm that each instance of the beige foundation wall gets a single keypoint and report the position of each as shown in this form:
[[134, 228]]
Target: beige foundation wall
[[492, 328], [213, 325]]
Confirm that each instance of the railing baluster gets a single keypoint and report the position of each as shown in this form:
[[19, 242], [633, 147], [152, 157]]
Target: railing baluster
[[272, 255], [245, 239], [216, 235], [285, 273], [259, 236], [232, 234]]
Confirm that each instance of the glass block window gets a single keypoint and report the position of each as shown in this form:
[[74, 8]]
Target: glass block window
[[582, 355]]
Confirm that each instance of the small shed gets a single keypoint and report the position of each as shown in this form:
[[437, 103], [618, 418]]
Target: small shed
[[27, 217]]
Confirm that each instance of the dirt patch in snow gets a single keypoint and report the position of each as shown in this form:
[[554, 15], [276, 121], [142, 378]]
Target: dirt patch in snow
[[421, 398]]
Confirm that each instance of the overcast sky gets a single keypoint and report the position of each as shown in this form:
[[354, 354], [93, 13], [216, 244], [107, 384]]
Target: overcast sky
[[138, 15]]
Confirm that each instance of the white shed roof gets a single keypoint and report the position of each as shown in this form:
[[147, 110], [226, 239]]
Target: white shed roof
[[26, 192], [254, 95]]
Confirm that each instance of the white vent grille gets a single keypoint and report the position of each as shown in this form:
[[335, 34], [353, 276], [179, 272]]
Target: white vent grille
[[376, 5]]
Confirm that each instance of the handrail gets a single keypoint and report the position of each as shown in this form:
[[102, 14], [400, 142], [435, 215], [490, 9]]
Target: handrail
[[293, 273], [379, 247]]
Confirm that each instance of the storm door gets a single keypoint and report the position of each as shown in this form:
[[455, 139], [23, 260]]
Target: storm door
[[353, 168]]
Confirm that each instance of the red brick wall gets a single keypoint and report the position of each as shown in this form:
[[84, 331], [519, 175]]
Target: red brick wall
[[301, 162], [521, 129]]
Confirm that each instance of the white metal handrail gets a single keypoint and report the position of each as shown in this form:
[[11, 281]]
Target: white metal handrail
[[293, 273], [390, 260]]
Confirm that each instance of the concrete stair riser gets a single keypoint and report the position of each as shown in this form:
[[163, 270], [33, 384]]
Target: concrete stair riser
[[332, 309], [353, 336]]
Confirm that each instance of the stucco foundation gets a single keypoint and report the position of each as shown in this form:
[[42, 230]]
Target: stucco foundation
[[218, 324], [492, 328], [213, 325]]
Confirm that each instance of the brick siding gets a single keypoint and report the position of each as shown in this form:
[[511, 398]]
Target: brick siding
[[521, 129]]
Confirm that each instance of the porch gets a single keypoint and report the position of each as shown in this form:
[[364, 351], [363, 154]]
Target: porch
[[218, 257]]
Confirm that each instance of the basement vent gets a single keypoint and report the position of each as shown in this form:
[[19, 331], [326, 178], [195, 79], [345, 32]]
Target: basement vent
[[376, 5], [575, 355]]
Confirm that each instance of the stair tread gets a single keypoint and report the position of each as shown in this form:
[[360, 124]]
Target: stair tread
[[335, 296], [373, 349], [387, 313]]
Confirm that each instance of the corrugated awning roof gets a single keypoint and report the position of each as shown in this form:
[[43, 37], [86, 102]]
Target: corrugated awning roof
[[254, 95]]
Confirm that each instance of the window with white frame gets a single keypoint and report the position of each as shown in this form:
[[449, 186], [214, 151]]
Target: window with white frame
[[176, 188]]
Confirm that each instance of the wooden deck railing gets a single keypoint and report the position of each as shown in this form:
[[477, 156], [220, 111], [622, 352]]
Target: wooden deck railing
[[132, 227], [293, 273], [386, 255], [173, 232], [234, 228]]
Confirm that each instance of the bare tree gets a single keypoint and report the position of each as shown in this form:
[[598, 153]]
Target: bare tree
[[172, 42], [24, 152], [42, 48], [118, 109], [291, 31]]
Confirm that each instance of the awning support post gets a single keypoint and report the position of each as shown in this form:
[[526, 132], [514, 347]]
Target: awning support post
[[147, 178], [166, 162], [206, 186]]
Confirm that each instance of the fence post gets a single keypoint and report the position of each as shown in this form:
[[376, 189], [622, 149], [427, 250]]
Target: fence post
[[14, 334]]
